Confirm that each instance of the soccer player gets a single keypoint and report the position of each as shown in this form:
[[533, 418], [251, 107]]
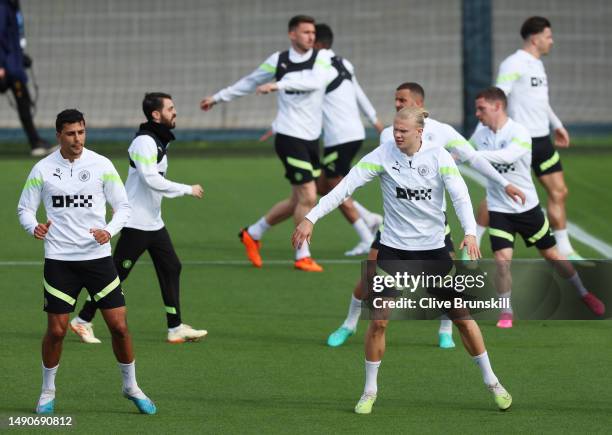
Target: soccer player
[[414, 229], [74, 185], [146, 185], [301, 74], [523, 78], [343, 135], [507, 145], [439, 135]]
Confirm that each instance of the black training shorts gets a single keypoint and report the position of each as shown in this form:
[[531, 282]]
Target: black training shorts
[[63, 281]]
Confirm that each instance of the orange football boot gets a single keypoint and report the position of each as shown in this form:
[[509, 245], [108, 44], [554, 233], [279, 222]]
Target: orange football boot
[[252, 247]]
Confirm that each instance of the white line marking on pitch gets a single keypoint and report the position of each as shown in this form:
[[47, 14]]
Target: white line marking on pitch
[[575, 231], [201, 262]]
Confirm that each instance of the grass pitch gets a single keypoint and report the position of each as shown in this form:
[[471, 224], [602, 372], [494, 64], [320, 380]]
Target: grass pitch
[[264, 366]]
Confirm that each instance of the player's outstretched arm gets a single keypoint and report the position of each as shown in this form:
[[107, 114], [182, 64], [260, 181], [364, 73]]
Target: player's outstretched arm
[[302, 233], [207, 103], [197, 191]]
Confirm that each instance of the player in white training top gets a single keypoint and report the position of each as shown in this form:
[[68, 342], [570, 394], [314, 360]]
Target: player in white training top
[[523, 78], [343, 135], [507, 145], [301, 74], [146, 186], [75, 184], [440, 135], [414, 179]]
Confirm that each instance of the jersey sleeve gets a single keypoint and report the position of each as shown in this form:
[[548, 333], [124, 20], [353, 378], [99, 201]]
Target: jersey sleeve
[[143, 153], [463, 151], [30, 200], [369, 167], [115, 194], [519, 145], [458, 192], [509, 73], [554, 120], [363, 102], [264, 73], [312, 79]]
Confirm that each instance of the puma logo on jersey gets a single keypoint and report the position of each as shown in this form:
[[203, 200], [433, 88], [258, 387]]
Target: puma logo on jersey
[[55, 174], [398, 166], [413, 194], [502, 168], [538, 81], [60, 201]]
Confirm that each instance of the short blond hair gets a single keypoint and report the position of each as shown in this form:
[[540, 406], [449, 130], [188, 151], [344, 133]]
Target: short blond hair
[[416, 114]]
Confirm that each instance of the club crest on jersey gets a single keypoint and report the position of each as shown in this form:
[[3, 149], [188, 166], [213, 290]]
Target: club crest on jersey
[[423, 170], [413, 194], [84, 175], [429, 137]]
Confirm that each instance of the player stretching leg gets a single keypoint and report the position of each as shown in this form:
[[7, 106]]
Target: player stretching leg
[[507, 145], [436, 134], [414, 230], [74, 185]]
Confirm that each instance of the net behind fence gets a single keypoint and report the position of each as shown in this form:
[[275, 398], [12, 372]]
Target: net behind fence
[[101, 56]]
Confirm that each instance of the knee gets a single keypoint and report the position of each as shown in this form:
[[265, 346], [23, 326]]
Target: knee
[[378, 327], [57, 332], [176, 266], [462, 324], [119, 329], [559, 193]]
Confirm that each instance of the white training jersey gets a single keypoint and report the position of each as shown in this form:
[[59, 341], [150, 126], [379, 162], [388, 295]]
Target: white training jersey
[[523, 78], [146, 185], [74, 195], [441, 135], [300, 93], [509, 150], [413, 189], [341, 106]]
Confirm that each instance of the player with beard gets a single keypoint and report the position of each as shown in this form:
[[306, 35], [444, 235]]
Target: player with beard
[[146, 185]]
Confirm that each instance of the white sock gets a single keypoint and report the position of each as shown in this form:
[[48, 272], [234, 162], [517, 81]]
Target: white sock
[[371, 369], [362, 230], [480, 230], [48, 384], [446, 325], [128, 374], [365, 214], [81, 321], [483, 362], [353, 315], [507, 296], [576, 282], [302, 252], [563, 242], [258, 229]]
